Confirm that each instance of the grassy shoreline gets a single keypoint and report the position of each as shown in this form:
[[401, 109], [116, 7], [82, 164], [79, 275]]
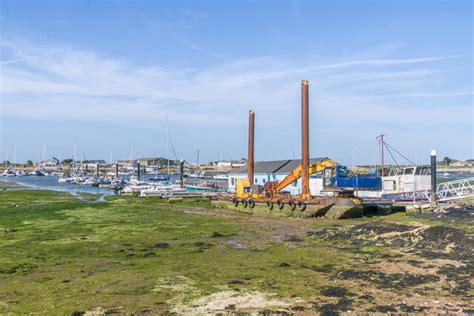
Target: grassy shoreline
[[61, 254]]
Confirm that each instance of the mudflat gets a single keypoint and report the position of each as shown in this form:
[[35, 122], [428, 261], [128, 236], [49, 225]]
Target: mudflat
[[61, 254]]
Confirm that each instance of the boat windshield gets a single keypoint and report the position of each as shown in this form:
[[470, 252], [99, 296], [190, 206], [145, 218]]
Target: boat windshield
[[423, 171], [343, 172]]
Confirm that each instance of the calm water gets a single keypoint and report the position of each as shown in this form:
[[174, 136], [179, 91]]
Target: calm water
[[51, 183], [452, 176]]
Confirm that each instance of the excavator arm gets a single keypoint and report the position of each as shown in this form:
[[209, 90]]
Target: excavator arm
[[296, 173]]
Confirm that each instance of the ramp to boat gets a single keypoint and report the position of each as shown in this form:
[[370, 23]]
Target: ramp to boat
[[453, 190]]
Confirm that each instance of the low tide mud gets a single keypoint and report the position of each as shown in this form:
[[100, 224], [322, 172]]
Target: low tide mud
[[454, 213], [138, 256], [416, 263]]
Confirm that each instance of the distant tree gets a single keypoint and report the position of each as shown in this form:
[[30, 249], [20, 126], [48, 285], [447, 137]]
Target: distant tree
[[447, 161], [66, 161], [6, 162], [29, 163]]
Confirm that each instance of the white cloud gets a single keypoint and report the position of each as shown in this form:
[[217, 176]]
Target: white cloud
[[205, 51], [12, 61], [430, 95], [63, 83]]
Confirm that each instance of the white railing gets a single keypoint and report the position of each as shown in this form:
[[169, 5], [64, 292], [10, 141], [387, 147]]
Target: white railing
[[452, 190]]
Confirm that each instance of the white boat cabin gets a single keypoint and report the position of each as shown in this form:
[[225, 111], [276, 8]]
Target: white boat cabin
[[404, 183]]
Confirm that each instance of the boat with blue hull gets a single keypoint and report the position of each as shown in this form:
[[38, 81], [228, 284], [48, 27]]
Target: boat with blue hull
[[399, 184]]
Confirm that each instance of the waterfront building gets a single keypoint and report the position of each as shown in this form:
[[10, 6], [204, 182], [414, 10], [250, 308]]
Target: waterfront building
[[154, 161], [92, 164], [50, 164], [276, 170]]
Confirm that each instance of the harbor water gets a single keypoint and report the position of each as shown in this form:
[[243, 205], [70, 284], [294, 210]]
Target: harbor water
[[51, 183]]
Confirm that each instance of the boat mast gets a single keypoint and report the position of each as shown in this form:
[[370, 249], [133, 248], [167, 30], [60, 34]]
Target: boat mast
[[131, 161], [44, 153], [197, 162], [82, 163], [74, 163], [381, 142], [14, 156], [168, 146]]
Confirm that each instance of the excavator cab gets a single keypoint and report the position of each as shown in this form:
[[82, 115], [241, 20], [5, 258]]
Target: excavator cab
[[244, 190], [332, 174]]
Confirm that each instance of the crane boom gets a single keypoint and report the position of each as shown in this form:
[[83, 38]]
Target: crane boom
[[297, 172]]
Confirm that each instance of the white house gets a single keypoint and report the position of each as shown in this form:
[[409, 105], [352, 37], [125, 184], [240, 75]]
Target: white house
[[230, 163], [50, 164], [92, 164], [224, 163], [265, 171]]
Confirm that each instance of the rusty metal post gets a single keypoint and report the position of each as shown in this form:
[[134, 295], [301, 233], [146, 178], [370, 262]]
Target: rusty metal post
[[382, 145], [305, 138], [250, 161]]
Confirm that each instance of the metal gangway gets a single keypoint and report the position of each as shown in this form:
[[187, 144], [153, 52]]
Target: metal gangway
[[453, 190]]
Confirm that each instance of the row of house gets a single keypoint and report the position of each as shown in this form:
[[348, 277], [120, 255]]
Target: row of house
[[457, 163], [231, 163], [222, 165], [149, 163], [53, 164]]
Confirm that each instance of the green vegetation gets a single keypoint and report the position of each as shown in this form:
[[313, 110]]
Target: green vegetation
[[62, 254]]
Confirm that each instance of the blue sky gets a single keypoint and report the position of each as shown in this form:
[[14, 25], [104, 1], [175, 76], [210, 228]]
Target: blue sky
[[106, 74]]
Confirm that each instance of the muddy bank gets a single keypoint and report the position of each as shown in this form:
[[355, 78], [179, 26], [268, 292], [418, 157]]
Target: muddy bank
[[451, 213], [5, 185], [409, 259], [443, 242]]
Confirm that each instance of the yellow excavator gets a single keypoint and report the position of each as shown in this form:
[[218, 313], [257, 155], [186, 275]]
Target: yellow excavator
[[272, 189]]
